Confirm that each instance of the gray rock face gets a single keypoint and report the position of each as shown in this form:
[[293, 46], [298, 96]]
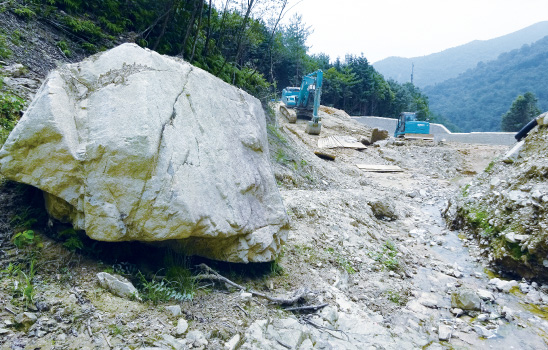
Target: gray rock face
[[132, 145]]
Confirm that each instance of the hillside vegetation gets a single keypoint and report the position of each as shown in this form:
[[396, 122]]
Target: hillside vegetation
[[437, 67], [243, 43], [477, 99]]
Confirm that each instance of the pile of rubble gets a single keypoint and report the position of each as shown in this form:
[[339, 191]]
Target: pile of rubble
[[506, 208]]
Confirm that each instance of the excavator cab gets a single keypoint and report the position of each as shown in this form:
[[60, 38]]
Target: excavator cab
[[410, 127]]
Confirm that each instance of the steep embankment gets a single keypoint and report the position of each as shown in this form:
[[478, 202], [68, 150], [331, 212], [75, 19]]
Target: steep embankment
[[506, 209]]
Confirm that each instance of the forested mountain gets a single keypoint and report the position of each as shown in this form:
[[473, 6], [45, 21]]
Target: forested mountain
[[437, 67], [243, 43], [476, 100]]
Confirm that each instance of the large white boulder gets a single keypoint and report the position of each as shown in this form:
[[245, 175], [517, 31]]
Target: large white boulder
[[133, 145]]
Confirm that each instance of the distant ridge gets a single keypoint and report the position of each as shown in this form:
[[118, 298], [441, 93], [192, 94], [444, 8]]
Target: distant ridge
[[477, 98], [437, 67]]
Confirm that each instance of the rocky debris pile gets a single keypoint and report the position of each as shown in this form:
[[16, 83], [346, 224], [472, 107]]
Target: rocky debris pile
[[506, 209], [86, 319], [36, 44], [328, 329], [132, 145], [18, 79]]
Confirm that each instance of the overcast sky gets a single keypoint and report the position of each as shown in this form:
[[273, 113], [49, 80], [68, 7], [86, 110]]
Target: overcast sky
[[410, 28]]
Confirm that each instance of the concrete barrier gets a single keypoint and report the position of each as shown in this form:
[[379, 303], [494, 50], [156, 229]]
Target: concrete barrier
[[440, 132]]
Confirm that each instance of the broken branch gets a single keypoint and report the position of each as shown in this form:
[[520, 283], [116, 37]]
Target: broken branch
[[214, 275], [306, 308]]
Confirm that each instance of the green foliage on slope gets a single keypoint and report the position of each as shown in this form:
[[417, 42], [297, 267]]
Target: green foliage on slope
[[242, 43], [524, 108], [477, 99]]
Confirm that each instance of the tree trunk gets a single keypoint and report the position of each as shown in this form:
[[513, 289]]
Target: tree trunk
[[270, 43], [189, 26], [197, 32], [208, 35], [250, 4], [164, 25]]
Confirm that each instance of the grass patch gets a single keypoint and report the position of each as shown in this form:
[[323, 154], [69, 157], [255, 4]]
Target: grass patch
[[478, 219], [464, 191], [398, 298], [275, 132], [489, 167], [387, 256], [341, 261]]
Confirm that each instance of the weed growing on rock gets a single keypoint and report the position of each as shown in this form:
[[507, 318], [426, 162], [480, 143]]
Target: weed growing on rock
[[27, 239], [479, 219], [275, 132], [396, 297], [5, 52], [341, 261], [24, 12], [11, 106], [387, 256], [115, 330], [464, 191], [489, 167], [63, 46], [71, 239]]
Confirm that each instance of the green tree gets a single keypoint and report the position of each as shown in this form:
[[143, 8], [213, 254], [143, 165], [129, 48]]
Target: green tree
[[524, 108]]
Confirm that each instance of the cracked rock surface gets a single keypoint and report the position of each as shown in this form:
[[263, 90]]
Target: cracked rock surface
[[132, 145]]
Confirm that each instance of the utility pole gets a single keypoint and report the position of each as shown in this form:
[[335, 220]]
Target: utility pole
[[412, 71]]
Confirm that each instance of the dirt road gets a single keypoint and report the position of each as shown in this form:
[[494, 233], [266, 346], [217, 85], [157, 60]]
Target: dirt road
[[370, 248]]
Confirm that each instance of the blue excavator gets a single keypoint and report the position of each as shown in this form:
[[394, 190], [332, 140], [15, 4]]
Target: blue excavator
[[305, 100], [410, 127]]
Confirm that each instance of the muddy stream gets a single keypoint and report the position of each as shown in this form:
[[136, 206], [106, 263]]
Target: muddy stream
[[528, 326]]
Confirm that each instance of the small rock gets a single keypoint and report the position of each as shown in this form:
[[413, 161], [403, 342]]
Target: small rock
[[246, 297], [196, 339], [482, 317], [507, 313], [330, 315], [502, 285], [465, 299], [534, 297], [457, 312], [182, 327], [485, 295], [15, 70], [43, 306], [26, 319], [171, 342], [483, 332], [4, 331], [174, 310], [444, 332], [72, 299], [233, 342], [117, 285], [384, 209]]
